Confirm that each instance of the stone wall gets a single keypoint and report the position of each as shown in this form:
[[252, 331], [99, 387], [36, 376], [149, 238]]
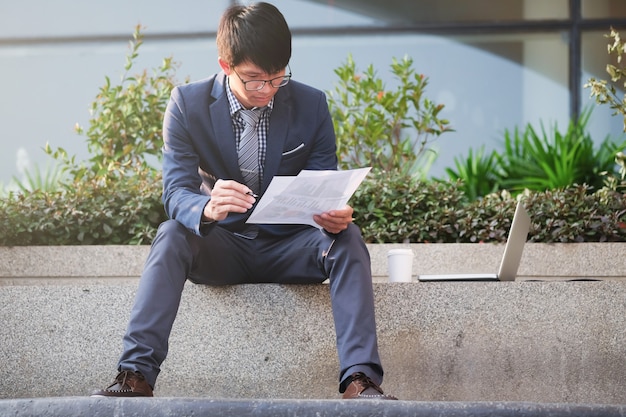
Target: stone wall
[[64, 310]]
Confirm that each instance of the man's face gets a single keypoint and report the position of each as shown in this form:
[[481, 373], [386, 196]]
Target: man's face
[[247, 73]]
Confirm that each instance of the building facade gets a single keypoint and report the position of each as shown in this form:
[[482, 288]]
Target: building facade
[[494, 64]]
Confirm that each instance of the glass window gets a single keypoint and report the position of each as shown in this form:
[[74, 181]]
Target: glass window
[[441, 11], [598, 9], [488, 84], [38, 18], [298, 14]]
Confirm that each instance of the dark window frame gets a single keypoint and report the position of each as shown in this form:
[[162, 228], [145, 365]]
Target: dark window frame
[[574, 26]]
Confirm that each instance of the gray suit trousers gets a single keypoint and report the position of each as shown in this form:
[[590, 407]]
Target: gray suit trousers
[[223, 258]]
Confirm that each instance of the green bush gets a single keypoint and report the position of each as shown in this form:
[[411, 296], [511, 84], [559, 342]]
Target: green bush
[[398, 208], [125, 129], [91, 213], [385, 129], [575, 214], [114, 198], [389, 208]]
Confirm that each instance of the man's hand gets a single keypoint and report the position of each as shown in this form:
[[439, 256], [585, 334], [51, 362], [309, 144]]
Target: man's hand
[[335, 221], [227, 196]]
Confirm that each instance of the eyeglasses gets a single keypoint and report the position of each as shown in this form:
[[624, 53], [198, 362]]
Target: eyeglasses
[[256, 85]]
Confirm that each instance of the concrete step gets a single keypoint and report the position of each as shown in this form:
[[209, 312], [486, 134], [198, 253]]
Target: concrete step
[[175, 407], [542, 342], [516, 341]]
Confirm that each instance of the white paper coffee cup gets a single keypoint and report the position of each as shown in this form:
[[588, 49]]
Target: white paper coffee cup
[[400, 265]]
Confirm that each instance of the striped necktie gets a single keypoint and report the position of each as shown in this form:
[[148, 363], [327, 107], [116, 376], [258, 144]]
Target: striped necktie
[[249, 149]]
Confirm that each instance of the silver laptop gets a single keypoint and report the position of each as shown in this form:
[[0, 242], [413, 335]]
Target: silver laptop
[[510, 259]]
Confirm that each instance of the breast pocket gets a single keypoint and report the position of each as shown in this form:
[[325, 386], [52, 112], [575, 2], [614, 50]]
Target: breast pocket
[[294, 160], [294, 152]]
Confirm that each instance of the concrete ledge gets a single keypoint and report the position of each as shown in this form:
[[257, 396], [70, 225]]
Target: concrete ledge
[[68, 407], [538, 342], [539, 261], [525, 341]]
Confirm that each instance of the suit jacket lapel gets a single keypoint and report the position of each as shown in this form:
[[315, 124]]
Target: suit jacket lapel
[[277, 136], [223, 134]]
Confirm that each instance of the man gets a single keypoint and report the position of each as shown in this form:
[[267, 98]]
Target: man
[[217, 157]]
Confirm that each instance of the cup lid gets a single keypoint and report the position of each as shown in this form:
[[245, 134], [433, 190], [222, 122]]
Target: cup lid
[[399, 252]]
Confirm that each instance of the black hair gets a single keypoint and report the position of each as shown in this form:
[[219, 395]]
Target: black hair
[[258, 34]]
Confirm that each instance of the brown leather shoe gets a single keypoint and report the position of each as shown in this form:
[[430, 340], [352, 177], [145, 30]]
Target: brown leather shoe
[[126, 384], [361, 387]]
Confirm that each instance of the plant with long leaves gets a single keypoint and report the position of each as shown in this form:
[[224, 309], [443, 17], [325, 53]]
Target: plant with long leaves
[[478, 173], [47, 180], [545, 160]]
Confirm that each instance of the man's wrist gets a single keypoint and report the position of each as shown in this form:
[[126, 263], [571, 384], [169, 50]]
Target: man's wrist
[[203, 217]]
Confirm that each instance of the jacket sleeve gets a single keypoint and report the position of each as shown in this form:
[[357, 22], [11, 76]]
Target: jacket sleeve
[[182, 198]]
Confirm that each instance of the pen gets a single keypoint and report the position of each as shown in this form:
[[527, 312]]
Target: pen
[[252, 194]]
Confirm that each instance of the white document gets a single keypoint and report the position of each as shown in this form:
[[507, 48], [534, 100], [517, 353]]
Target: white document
[[294, 200]]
